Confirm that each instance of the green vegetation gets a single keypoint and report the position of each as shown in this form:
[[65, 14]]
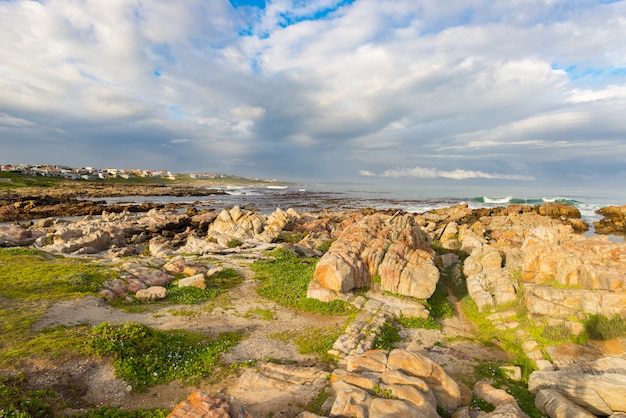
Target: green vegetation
[[32, 280], [22, 180], [216, 285], [263, 314], [18, 402], [285, 280], [291, 237], [387, 337], [145, 357], [313, 340], [599, 327], [492, 373], [325, 246], [383, 393], [426, 323], [233, 243], [316, 404], [439, 305]]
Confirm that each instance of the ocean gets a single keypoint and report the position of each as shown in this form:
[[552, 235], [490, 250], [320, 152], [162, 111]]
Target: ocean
[[415, 198]]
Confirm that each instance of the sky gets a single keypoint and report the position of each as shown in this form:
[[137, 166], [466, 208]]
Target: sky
[[456, 91]]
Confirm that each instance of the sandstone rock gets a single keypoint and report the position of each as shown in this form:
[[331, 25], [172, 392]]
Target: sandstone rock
[[424, 401], [394, 248], [491, 287], [497, 397], [364, 380], [394, 408], [598, 394], [446, 390], [201, 404], [151, 293], [614, 220], [372, 360], [193, 281], [351, 401], [556, 405]]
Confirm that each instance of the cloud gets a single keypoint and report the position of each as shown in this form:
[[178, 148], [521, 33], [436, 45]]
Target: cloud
[[433, 173], [318, 88]]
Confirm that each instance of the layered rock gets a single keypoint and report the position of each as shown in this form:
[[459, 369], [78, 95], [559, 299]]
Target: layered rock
[[401, 383], [613, 221], [394, 249], [569, 274]]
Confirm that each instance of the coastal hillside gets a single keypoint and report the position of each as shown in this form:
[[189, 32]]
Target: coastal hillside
[[182, 310]]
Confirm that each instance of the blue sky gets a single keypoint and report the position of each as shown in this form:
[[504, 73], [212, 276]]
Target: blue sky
[[471, 91]]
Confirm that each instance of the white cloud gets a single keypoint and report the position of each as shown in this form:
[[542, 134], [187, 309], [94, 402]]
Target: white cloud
[[432, 173], [458, 85]]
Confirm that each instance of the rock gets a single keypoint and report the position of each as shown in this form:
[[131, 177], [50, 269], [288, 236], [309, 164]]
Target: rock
[[193, 281], [423, 401], [151, 293], [365, 380], [395, 248], [556, 405], [445, 389], [17, 236], [599, 394], [201, 404], [394, 408], [372, 360], [351, 401], [613, 221], [497, 397], [512, 372]]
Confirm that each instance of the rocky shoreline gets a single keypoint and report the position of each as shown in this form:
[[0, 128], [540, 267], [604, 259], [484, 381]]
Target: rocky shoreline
[[383, 263]]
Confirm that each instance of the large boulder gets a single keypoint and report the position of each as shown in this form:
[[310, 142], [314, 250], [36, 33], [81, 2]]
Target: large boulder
[[393, 248], [600, 394]]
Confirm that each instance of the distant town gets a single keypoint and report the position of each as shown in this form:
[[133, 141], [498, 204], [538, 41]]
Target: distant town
[[91, 173]]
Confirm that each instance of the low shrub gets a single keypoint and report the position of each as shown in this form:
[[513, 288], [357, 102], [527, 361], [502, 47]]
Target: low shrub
[[233, 242], [599, 327], [145, 357], [426, 323], [387, 337]]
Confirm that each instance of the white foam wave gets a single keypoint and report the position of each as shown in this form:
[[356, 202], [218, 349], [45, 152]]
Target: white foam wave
[[497, 199]]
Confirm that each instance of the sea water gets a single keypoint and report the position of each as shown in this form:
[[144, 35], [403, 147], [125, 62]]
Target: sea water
[[416, 198]]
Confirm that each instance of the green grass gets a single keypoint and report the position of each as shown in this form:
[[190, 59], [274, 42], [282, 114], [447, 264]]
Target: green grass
[[145, 357], [313, 340], [21, 180], [439, 305], [216, 285], [599, 327], [387, 337], [285, 280], [426, 323], [263, 314], [33, 280], [491, 372], [111, 412]]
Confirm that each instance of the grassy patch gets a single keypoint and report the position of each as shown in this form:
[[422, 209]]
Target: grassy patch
[[387, 337], [493, 374], [426, 323], [216, 284], [316, 404], [313, 340], [439, 305], [19, 402], [291, 237], [285, 280], [145, 357], [33, 280], [233, 243], [263, 314], [599, 327], [325, 246]]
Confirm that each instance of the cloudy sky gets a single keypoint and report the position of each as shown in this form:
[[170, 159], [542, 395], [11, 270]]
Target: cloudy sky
[[517, 91]]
